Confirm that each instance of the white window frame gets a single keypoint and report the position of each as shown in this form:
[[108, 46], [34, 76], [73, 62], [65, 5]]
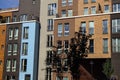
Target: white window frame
[[86, 12], [93, 10], [60, 31], [70, 13], [15, 49], [10, 34], [9, 49], [8, 64], [16, 33], [64, 2], [14, 64], [66, 32]]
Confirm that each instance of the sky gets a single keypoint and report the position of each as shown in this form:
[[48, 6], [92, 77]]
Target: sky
[[4, 4]]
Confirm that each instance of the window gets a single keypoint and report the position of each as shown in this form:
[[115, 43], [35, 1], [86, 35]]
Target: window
[[66, 44], [106, 8], [91, 43], [8, 64], [116, 26], [116, 7], [59, 44], [7, 77], [93, 1], [25, 49], [83, 27], [25, 33], [49, 57], [10, 78], [49, 40], [24, 65], [116, 45], [7, 19], [15, 47], [60, 29], [66, 29], [93, 10], [85, 1], [91, 27], [48, 74], [65, 78], [105, 26], [70, 2], [33, 1], [16, 34], [63, 13], [51, 9], [105, 45], [10, 34], [14, 65], [63, 2], [14, 18], [86, 11], [27, 77], [9, 49], [23, 17], [50, 25], [70, 12]]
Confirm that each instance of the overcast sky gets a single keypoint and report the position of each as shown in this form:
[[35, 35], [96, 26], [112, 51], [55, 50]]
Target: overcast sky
[[9, 3]]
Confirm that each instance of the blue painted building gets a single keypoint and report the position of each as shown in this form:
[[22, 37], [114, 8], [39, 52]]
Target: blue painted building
[[29, 50]]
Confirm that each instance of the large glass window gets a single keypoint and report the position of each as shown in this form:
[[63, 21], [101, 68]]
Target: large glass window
[[63, 2], [91, 27], [9, 49], [51, 9], [14, 63], [86, 11], [83, 27], [25, 49], [8, 64], [63, 13], [60, 29], [70, 12], [105, 26], [85, 1], [7, 19], [16, 34], [66, 29], [24, 65], [116, 26], [10, 34], [105, 45], [23, 17], [70, 2], [116, 7], [15, 47], [116, 45], [93, 0], [106, 8], [49, 40], [93, 10], [50, 25], [91, 43], [25, 32]]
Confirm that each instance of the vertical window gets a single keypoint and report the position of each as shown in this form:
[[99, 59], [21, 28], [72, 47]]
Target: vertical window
[[14, 65], [8, 64], [63, 2], [27, 77], [15, 47], [23, 17], [83, 27], [106, 8], [66, 29], [70, 2], [70, 12], [25, 49], [91, 43], [59, 44], [48, 74], [7, 19], [24, 65], [25, 32], [50, 25], [93, 10], [116, 26], [105, 45], [33, 1], [91, 27], [105, 26], [49, 57], [85, 1], [66, 44], [7, 77], [10, 34], [86, 11], [16, 34], [14, 18], [63, 13], [9, 49], [60, 29], [116, 7], [51, 9], [93, 1], [116, 45], [49, 40]]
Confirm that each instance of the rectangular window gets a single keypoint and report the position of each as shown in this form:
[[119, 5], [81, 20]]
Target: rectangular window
[[8, 64], [65, 78], [51, 9], [83, 27], [7, 19], [116, 26], [93, 1], [85, 1], [14, 18], [91, 43], [49, 40], [15, 47], [50, 25], [63, 13], [27, 77], [70, 2], [91, 27], [105, 26], [105, 45], [59, 44], [93, 10], [16, 34], [60, 29], [23, 17], [49, 57], [66, 29], [10, 34], [106, 8], [14, 63], [116, 7], [70, 13], [25, 32], [33, 1], [24, 65], [66, 44], [116, 45], [9, 49], [24, 48], [63, 2], [86, 11]]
